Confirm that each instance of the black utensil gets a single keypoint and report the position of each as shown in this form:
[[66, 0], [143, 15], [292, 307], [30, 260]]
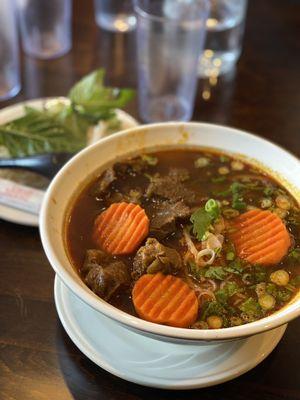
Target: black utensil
[[45, 164]]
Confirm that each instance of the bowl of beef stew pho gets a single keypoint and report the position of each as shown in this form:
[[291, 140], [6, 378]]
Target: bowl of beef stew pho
[[181, 231]]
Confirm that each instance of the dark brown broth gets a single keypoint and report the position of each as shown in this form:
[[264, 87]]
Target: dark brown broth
[[87, 206]]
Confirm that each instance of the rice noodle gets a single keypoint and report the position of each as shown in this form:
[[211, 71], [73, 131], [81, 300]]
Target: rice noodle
[[213, 284], [207, 293], [190, 243], [199, 255], [240, 298], [202, 253], [226, 281], [213, 242]]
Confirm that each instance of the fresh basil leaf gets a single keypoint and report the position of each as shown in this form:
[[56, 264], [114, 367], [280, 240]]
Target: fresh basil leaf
[[63, 127], [91, 98], [37, 133]]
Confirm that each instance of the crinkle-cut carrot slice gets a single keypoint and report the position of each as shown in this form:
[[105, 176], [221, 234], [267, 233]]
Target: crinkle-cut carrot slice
[[121, 228], [165, 299], [260, 237]]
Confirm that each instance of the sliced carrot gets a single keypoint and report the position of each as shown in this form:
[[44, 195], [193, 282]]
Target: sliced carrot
[[165, 299], [121, 228], [260, 237]]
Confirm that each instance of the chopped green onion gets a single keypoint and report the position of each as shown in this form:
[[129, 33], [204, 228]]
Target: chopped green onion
[[149, 159], [266, 203], [224, 159], [218, 179], [230, 256], [201, 162]]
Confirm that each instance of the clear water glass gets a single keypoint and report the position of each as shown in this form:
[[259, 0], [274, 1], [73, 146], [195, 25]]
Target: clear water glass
[[170, 37], [45, 27], [224, 35], [9, 51], [115, 15]]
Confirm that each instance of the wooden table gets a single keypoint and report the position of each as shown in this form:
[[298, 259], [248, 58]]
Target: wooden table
[[37, 359]]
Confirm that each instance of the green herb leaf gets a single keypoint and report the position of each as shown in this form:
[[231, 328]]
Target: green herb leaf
[[222, 295], [237, 198], [283, 295], [195, 271], [63, 127], [201, 221], [252, 308], [271, 288], [268, 191], [215, 273], [37, 132], [91, 98], [236, 191], [204, 217], [149, 159], [212, 308], [235, 267]]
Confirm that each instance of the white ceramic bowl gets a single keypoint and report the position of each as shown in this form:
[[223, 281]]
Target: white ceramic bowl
[[91, 161]]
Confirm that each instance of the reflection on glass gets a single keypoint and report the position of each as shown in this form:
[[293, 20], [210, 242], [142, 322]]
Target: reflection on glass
[[224, 33]]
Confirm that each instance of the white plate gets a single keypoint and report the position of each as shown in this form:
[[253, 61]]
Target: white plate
[[9, 113], [150, 362]]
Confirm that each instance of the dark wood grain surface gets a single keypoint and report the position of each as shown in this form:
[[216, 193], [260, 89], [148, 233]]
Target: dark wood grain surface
[[37, 359]]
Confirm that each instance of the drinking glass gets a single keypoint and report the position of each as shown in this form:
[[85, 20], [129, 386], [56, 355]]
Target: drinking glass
[[224, 35], [170, 36], [45, 27], [9, 51], [115, 15]]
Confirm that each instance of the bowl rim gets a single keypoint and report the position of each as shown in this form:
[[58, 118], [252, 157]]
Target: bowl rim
[[279, 318]]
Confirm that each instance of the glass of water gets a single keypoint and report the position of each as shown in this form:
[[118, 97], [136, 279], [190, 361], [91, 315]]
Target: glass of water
[[45, 27], [9, 51], [170, 36], [223, 44], [115, 15]]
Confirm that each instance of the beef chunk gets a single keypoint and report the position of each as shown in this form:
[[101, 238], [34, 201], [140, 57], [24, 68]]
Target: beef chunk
[[171, 186], [154, 257], [104, 274], [104, 182], [165, 213]]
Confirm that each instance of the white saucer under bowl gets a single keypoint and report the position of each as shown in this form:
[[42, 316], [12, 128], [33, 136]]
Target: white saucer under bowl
[[150, 362]]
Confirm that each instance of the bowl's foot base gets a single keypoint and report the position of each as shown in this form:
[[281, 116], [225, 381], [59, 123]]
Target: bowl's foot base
[[150, 362]]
